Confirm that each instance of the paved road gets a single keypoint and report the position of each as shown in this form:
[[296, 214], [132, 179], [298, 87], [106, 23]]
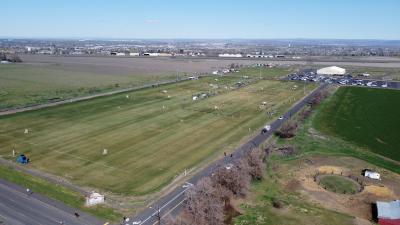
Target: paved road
[[19, 208], [172, 202]]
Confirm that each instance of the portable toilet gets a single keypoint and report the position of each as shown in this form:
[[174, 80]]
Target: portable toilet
[[22, 159]]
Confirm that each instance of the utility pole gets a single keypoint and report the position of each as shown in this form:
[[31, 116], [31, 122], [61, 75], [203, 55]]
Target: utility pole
[[158, 213]]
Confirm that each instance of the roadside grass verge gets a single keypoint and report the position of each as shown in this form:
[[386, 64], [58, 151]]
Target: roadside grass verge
[[58, 192]]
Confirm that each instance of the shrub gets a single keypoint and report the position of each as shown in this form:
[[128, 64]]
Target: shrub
[[288, 129]]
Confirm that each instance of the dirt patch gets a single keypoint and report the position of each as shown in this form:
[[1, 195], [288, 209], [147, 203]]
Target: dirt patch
[[315, 134], [332, 170], [303, 175], [379, 191]]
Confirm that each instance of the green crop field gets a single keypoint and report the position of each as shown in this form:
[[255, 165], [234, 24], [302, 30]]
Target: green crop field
[[364, 116], [151, 135]]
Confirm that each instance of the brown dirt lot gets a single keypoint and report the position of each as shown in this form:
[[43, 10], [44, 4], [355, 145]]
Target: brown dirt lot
[[301, 179]]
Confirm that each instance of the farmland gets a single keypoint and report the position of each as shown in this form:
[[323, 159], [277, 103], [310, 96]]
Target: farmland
[[339, 137], [42, 79], [150, 136], [367, 117]]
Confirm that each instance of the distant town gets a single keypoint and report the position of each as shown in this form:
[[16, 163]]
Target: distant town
[[288, 49]]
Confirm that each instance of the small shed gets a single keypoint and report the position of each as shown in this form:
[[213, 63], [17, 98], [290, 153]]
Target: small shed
[[371, 174], [94, 199]]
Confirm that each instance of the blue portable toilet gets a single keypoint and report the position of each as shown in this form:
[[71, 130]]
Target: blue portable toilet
[[22, 159]]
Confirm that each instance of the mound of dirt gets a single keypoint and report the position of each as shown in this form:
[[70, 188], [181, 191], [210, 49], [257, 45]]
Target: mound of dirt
[[380, 191], [332, 169]]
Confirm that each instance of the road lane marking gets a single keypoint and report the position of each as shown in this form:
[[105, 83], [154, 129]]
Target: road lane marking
[[173, 199]]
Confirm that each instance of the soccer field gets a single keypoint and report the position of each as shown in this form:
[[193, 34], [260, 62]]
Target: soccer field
[[151, 135], [365, 116]]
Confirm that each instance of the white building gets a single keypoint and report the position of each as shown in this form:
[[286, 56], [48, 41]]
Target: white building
[[94, 199], [230, 55], [332, 70]]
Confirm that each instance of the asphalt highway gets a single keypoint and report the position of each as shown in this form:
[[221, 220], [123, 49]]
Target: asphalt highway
[[17, 207]]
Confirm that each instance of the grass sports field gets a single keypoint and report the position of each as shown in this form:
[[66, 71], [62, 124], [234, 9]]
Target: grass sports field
[[365, 116], [151, 135], [41, 79]]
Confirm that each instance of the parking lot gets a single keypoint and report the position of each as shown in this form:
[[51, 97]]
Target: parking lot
[[347, 79]]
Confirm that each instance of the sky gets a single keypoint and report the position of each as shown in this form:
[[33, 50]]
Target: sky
[[201, 19]]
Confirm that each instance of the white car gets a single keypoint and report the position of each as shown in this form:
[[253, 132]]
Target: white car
[[280, 118], [266, 129], [136, 222], [384, 85]]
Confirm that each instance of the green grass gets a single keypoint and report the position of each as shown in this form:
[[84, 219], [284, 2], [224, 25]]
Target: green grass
[[25, 84], [309, 141], [258, 208], [57, 192], [22, 84], [150, 138], [365, 116], [338, 184]]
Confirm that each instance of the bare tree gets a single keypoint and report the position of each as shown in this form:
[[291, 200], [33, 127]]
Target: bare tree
[[235, 179], [256, 165], [202, 206], [317, 99], [14, 58], [288, 129], [3, 57]]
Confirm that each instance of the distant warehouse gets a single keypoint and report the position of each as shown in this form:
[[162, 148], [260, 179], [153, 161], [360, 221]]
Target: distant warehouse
[[332, 70], [230, 55]]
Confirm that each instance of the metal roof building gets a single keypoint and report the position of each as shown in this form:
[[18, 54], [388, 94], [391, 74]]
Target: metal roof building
[[388, 213], [332, 70]]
